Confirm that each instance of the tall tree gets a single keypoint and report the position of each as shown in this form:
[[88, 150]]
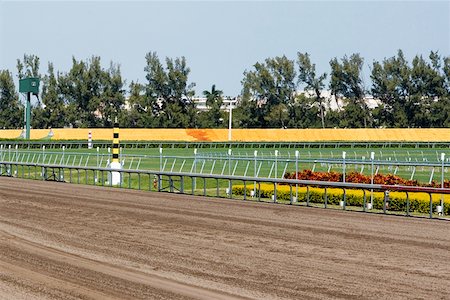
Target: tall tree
[[169, 93], [52, 113], [11, 110], [307, 75], [392, 86], [270, 84], [346, 82], [94, 95], [137, 113], [29, 66]]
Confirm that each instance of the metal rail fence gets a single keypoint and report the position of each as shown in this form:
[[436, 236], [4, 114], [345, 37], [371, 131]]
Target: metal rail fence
[[269, 164], [185, 183], [232, 145]]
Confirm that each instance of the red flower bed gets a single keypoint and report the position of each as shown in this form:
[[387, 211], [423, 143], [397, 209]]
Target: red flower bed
[[355, 177]]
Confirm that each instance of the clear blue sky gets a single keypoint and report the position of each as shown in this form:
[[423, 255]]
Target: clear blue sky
[[219, 39]]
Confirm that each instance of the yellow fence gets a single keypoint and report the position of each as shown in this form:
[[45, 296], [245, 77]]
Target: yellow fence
[[245, 135]]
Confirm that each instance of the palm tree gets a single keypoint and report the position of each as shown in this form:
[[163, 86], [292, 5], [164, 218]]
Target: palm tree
[[213, 102], [214, 97]]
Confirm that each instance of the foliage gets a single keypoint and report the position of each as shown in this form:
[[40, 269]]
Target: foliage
[[418, 202], [307, 75], [346, 82], [214, 116], [168, 93], [11, 110], [94, 96], [271, 85], [412, 93], [354, 177]]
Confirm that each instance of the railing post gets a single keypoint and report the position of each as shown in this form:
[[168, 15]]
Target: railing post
[[182, 184], [296, 174], [364, 200], [431, 206], [255, 154], [217, 188], [139, 181], [259, 191], [129, 180], [245, 190], [372, 158], [343, 166], [344, 204], [386, 197], [407, 204], [290, 194], [204, 186], [307, 195], [274, 192], [229, 171]]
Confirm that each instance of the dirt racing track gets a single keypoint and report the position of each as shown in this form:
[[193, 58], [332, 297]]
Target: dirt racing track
[[62, 241]]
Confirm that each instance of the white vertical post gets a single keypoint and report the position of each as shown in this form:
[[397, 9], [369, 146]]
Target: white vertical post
[[9, 152], [296, 174], [343, 165], [43, 153], [230, 121], [442, 181], [63, 150], [98, 149], [276, 171], [16, 153], [276, 164], [160, 168], [372, 158], [229, 170], [160, 159], [195, 167], [90, 139], [255, 154]]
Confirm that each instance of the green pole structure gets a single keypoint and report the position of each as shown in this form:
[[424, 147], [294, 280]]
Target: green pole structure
[[28, 116], [29, 86]]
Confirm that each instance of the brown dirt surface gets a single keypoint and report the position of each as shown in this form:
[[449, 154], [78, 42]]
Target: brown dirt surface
[[63, 241]]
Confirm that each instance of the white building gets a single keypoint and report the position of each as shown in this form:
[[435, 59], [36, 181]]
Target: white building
[[330, 100], [200, 103]]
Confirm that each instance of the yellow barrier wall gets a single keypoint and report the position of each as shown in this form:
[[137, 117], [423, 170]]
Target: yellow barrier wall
[[246, 135]]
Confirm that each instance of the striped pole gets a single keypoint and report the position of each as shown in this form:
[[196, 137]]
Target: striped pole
[[115, 156], [90, 140]]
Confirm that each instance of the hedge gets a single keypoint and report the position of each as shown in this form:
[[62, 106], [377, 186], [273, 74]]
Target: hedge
[[418, 202]]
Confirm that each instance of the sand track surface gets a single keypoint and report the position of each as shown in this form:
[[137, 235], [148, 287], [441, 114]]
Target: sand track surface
[[63, 241]]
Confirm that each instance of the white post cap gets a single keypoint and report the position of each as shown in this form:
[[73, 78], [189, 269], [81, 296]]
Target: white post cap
[[276, 152], [255, 153], [229, 151], [442, 156], [296, 153], [372, 155], [160, 149], [344, 154], [195, 151]]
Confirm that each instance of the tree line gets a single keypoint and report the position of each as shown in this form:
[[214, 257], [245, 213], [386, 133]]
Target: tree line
[[410, 94]]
